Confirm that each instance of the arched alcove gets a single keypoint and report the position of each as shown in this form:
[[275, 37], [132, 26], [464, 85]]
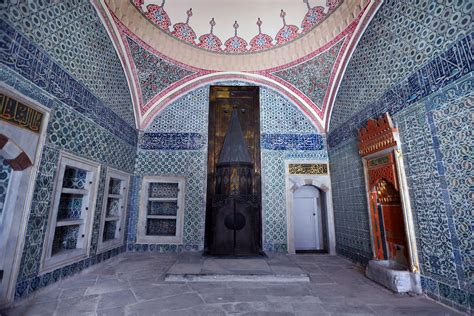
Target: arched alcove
[[320, 182]]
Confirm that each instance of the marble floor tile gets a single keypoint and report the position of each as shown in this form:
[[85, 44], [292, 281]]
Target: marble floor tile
[[132, 284]]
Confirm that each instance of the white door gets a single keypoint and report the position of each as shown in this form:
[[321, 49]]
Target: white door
[[307, 219]]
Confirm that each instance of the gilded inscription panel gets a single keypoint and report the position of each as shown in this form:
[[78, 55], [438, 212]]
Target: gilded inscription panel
[[306, 168]]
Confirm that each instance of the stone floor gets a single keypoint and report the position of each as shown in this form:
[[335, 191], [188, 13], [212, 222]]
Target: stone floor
[[134, 284]]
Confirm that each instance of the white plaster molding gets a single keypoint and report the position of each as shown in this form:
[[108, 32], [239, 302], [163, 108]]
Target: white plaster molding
[[21, 202]]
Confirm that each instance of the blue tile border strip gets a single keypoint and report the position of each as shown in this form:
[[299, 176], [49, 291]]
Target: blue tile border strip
[[292, 142], [442, 70], [171, 141], [444, 190], [25, 58]]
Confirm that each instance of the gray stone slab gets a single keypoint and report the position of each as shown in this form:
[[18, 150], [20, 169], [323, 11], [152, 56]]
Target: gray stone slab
[[117, 311], [74, 306], [247, 307], [159, 305], [116, 299], [291, 278], [159, 290], [437, 310], [236, 266], [35, 309], [134, 285], [186, 268], [107, 286], [214, 299]]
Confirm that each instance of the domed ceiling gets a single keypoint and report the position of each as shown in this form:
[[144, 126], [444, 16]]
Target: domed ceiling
[[236, 27], [298, 48]]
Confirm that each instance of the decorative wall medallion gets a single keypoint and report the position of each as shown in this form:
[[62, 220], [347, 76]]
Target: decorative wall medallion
[[17, 113], [314, 168]]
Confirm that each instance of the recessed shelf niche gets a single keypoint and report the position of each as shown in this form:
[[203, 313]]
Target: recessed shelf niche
[[113, 212], [161, 210], [70, 222]]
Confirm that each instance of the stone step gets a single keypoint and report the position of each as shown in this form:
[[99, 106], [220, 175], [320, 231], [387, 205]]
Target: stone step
[[282, 278]]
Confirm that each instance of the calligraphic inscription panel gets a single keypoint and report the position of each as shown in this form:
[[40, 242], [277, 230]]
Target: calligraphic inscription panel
[[307, 168], [17, 113]]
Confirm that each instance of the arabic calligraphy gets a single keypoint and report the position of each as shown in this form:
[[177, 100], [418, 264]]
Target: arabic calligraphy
[[313, 168], [171, 141], [19, 114], [292, 141]]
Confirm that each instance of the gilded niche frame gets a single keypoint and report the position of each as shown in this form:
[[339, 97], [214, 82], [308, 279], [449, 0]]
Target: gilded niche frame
[[377, 140]]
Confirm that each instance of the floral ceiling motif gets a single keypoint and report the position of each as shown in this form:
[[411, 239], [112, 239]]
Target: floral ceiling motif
[[182, 31], [312, 76], [307, 72], [154, 74]]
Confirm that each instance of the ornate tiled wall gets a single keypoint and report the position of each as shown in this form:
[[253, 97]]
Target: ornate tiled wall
[[433, 111], [280, 120], [71, 33], [351, 218], [5, 174], [69, 131], [403, 36], [438, 150], [22, 59], [175, 143], [67, 67]]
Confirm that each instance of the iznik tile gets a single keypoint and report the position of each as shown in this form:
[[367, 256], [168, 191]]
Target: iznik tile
[[402, 37], [312, 76], [292, 142], [71, 33], [5, 175], [171, 141], [154, 73]]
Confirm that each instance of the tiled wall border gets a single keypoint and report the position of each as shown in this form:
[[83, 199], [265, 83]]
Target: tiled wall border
[[22, 56], [441, 71]]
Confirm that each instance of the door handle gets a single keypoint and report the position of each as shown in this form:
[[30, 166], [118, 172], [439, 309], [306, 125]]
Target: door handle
[[314, 214]]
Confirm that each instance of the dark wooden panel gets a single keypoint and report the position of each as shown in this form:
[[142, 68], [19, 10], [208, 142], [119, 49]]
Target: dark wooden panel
[[223, 99]]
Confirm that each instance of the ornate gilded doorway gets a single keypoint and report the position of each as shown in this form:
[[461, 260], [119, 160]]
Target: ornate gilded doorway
[[391, 223], [233, 212]]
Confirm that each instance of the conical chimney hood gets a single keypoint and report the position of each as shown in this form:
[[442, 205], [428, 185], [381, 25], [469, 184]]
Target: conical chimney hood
[[235, 148]]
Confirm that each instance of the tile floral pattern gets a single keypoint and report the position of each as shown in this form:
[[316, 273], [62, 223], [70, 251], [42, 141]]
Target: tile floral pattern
[[434, 117], [71, 33], [402, 37], [5, 174], [312, 76], [70, 131], [189, 114], [154, 73], [349, 202], [21, 59]]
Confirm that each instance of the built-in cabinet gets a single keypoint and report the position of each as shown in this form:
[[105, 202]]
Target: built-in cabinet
[[69, 227], [113, 210], [161, 210]]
